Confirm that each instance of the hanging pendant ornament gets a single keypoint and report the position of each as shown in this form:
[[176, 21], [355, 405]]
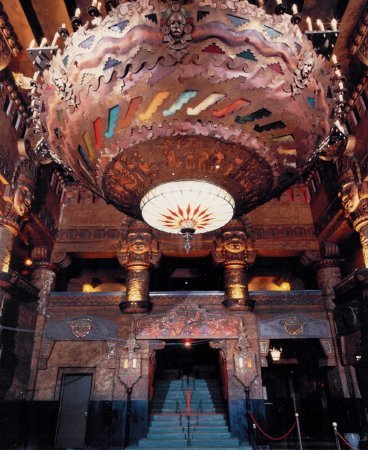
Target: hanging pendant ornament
[[187, 231]]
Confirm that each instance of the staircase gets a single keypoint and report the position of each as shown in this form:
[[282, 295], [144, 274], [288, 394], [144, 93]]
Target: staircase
[[206, 428]]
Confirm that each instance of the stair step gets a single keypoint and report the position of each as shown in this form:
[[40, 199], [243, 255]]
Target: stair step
[[197, 435], [208, 424], [141, 447], [198, 429], [231, 442]]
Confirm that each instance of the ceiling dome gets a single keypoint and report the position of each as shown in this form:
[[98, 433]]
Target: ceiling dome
[[159, 92]]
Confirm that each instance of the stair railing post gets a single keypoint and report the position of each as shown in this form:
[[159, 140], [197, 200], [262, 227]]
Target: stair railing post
[[295, 407], [337, 439], [299, 432]]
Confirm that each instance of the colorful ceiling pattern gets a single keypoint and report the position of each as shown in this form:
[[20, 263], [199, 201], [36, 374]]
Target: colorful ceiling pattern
[[125, 100]]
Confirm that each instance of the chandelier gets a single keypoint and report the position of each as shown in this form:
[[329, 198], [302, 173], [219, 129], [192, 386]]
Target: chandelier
[[184, 113], [187, 207]]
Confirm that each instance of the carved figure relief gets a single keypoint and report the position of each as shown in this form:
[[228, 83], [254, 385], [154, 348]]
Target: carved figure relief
[[138, 247], [188, 320], [5, 54], [234, 245], [20, 193], [302, 74], [177, 27]]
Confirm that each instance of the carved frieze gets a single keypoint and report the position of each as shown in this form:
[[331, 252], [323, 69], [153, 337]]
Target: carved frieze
[[188, 321]]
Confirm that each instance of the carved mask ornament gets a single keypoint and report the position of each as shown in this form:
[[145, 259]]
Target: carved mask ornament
[[177, 26]]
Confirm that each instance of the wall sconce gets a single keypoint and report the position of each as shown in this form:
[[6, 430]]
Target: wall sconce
[[275, 353], [130, 369], [244, 361]]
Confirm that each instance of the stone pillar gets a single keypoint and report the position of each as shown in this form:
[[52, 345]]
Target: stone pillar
[[44, 269], [233, 249], [43, 278], [326, 264], [8, 231], [351, 316], [14, 208], [354, 198], [137, 254]]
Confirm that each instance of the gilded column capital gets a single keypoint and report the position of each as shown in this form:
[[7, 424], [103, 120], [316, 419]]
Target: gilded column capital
[[354, 199], [138, 248], [234, 246], [326, 263]]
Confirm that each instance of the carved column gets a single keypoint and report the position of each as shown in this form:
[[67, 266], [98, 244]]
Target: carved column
[[14, 207], [138, 253], [43, 277], [326, 263], [233, 249], [354, 198]]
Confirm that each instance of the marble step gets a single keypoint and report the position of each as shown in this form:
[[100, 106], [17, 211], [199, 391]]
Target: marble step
[[179, 443]]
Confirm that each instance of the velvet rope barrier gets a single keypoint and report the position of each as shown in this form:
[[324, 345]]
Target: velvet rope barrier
[[280, 438], [345, 441]]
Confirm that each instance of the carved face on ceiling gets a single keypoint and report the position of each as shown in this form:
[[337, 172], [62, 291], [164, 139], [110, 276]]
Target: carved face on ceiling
[[176, 24], [307, 66]]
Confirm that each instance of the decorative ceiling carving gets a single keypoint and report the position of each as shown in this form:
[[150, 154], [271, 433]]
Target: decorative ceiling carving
[[203, 90]]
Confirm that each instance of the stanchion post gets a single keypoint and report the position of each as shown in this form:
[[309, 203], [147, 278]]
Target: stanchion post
[[249, 422], [337, 439], [299, 433], [127, 417]]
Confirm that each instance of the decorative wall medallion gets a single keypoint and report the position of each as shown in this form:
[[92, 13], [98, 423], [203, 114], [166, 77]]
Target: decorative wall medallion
[[293, 325], [81, 327]]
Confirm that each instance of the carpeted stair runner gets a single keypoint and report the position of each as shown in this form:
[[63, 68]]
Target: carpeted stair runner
[[169, 425]]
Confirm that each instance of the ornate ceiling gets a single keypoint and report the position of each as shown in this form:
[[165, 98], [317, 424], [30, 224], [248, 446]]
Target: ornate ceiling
[[205, 90]]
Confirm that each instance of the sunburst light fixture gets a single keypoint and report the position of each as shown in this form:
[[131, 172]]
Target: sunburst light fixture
[[187, 207]]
